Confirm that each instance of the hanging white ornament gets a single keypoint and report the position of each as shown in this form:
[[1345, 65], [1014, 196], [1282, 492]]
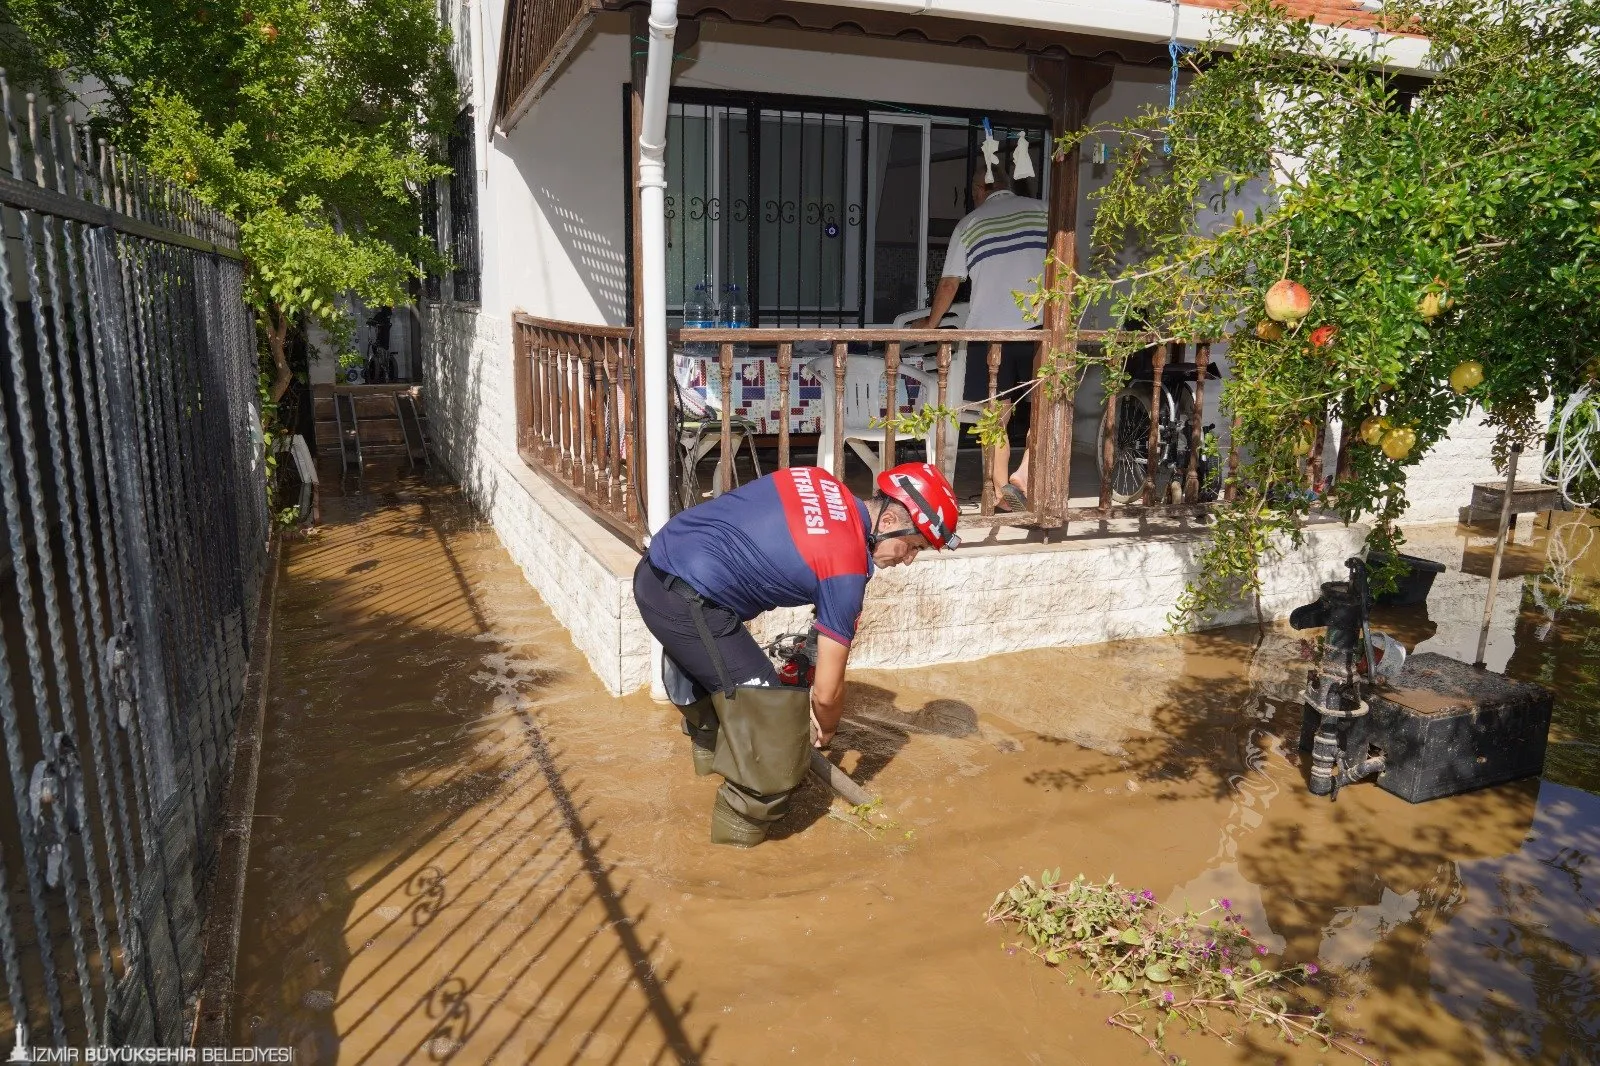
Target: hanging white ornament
[[1021, 160], [991, 153]]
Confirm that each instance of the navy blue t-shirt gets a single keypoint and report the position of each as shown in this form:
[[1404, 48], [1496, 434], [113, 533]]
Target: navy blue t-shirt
[[791, 538]]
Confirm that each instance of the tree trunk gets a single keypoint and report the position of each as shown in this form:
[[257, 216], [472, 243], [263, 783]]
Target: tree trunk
[[277, 328]]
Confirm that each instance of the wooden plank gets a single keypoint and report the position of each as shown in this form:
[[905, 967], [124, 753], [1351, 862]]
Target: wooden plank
[[574, 327]]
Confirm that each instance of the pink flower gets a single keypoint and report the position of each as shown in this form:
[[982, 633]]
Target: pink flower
[[1227, 904], [1261, 949], [1311, 969], [1227, 971], [1166, 997]]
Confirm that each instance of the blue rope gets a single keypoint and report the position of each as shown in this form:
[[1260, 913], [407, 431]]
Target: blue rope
[[1174, 50]]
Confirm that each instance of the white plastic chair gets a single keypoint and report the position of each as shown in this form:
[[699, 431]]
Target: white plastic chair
[[866, 390], [955, 318]]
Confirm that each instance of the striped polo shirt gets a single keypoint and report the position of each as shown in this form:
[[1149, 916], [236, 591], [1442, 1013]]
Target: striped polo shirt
[[1001, 247]]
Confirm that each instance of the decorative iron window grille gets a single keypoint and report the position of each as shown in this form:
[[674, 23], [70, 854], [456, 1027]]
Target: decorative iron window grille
[[432, 283], [466, 276], [806, 214]]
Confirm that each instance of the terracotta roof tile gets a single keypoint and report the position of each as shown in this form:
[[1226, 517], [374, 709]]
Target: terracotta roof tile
[[1333, 12]]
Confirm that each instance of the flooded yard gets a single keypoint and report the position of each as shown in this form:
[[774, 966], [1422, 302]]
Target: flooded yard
[[466, 851]]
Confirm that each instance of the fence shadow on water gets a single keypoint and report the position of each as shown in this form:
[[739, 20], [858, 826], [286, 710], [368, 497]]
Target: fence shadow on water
[[429, 880]]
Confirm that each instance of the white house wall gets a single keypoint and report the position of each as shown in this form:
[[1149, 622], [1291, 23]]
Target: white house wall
[[554, 199]]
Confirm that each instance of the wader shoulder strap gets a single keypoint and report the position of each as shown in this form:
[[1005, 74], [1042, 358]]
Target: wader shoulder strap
[[697, 612]]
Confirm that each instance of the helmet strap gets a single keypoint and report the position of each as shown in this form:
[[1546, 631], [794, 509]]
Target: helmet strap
[[874, 537]]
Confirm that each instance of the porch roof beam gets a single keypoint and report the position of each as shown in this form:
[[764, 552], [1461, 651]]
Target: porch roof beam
[[1129, 31]]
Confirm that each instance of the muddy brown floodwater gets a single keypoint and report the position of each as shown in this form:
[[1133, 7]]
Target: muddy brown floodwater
[[465, 851]]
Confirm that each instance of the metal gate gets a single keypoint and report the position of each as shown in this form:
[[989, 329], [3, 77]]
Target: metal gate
[[133, 532]]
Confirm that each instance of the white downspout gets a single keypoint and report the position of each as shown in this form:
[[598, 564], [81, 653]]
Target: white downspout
[[653, 248]]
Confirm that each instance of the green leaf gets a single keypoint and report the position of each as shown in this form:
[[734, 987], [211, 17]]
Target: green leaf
[[1158, 972], [1131, 935]]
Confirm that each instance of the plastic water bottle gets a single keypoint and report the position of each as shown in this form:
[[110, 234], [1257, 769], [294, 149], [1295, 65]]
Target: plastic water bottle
[[736, 315], [699, 313]]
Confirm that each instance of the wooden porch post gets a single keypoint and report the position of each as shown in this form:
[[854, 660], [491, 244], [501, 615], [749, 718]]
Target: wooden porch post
[[1069, 86]]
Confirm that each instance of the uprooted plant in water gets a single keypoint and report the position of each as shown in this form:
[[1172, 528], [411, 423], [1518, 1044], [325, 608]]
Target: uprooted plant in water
[[1198, 969]]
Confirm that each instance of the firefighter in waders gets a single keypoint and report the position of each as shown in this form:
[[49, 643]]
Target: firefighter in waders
[[793, 538]]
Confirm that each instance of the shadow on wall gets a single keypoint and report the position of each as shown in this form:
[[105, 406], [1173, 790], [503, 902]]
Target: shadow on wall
[[588, 221], [455, 400]]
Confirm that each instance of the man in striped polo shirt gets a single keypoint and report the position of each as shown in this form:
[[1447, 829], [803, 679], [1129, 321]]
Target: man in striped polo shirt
[[1001, 246]]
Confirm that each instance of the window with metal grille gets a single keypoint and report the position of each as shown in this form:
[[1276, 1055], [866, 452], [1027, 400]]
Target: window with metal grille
[[465, 277], [823, 213], [432, 283]]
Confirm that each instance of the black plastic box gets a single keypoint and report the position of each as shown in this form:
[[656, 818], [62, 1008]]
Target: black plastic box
[[1445, 727], [1415, 583]]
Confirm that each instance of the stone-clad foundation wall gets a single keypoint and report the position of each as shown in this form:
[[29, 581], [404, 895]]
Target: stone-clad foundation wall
[[982, 600]]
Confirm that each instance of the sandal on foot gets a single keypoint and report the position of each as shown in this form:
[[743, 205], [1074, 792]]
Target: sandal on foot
[[1012, 498]]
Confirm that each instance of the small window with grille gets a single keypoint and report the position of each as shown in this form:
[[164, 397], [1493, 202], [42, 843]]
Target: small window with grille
[[432, 283], [465, 276]]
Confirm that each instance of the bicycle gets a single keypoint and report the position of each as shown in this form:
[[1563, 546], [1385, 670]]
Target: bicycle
[[381, 366], [1174, 435]]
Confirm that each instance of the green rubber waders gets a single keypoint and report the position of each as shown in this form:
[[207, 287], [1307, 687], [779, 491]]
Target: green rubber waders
[[742, 820], [700, 725], [764, 738]]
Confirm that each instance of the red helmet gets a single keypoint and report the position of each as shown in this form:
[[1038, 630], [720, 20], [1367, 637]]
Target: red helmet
[[924, 492]]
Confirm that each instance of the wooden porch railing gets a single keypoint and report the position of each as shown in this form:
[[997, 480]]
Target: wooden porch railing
[[989, 342], [579, 406], [578, 409]]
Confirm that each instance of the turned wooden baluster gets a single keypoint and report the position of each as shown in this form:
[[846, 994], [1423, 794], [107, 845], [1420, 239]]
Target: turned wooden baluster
[[522, 386], [891, 378], [563, 439], [725, 364], [1232, 488], [1191, 480], [785, 361], [939, 443], [1108, 442], [630, 445], [1314, 466], [575, 406], [550, 438], [1152, 449], [613, 427], [841, 352], [986, 506], [596, 423]]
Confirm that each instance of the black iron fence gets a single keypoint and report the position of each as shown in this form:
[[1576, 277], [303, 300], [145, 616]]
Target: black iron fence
[[133, 532]]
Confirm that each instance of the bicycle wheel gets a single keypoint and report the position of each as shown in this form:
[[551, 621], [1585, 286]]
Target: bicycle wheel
[[1130, 454]]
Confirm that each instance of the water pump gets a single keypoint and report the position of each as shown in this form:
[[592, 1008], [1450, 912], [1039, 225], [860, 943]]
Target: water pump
[[1335, 699], [1425, 725]]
